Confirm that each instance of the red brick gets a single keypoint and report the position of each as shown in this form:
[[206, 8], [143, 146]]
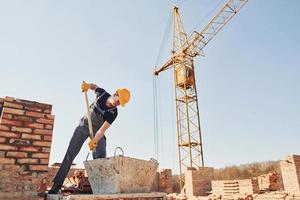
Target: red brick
[[47, 111], [12, 167], [16, 154], [6, 147], [45, 150], [47, 126], [48, 138], [22, 118], [29, 149], [43, 105], [33, 125], [23, 130], [11, 122], [4, 128], [7, 116], [42, 131], [13, 111], [44, 161], [27, 161], [9, 134], [50, 116], [32, 108], [1, 100], [38, 167], [10, 99], [13, 105], [34, 114], [8, 161], [19, 142], [43, 144], [31, 136], [40, 155], [2, 139], [2, 155], [45, 121]]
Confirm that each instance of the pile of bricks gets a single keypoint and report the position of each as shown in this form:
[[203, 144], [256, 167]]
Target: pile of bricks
[[198, 182], [72, 182], [245, 186], [25, 142], [269, 182], [290, 170]]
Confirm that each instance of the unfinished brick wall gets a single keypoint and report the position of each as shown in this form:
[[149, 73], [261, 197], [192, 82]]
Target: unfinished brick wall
[[269, 182], [290, 170], [25, 142], [162, 181], [198, 182]]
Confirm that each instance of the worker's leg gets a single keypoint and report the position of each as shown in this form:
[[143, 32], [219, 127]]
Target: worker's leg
[[79, 137], [100, 149]]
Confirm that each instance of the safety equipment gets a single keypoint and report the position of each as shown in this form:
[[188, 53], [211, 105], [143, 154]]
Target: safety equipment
[[123, 96], [85, 86], [92, 144]]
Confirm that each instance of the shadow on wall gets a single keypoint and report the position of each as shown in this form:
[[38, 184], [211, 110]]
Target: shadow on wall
[[1, 108]]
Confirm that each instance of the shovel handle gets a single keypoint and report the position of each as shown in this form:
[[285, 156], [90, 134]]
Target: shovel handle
[[89, 115]]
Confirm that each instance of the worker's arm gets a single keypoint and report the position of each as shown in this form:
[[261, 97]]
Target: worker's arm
[[101, 131]]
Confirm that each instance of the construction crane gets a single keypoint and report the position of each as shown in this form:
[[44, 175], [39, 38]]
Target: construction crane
[[184, 50]]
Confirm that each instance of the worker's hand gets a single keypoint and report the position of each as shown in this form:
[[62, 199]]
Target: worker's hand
[[92, 144], [85, 86], [93, 86]]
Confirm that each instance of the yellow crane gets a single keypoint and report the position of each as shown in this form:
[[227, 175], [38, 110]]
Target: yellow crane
[[184, 50]]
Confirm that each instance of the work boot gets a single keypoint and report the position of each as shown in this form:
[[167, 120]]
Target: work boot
[[55, 189]]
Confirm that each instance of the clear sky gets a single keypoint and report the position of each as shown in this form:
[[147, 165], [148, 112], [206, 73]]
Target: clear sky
[[248, 82]]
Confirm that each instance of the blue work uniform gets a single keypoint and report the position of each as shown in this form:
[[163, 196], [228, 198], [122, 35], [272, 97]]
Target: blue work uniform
[[100, 113]]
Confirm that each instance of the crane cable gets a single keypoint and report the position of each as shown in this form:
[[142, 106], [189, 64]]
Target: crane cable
[[156, 92], [209, 13], [158, 145]]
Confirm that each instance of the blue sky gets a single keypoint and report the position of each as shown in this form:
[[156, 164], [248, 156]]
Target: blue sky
[[248, 82]]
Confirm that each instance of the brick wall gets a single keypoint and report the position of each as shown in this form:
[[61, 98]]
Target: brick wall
[[198, 182], [290, 170], [269, 182], [25, 142], [162, 181]]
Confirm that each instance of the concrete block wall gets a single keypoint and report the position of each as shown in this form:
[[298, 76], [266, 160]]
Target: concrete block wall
[[290, 170], [198, 182], [25, 142]]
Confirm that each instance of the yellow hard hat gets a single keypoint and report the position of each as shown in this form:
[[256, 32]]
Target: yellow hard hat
[[124, 96]]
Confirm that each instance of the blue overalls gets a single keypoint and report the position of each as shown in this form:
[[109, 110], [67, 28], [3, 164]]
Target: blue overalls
[[81, 133]]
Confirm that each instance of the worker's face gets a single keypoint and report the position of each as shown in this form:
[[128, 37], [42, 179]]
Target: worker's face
[[115, 101]]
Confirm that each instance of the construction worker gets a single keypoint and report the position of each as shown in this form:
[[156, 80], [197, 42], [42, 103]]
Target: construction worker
[[104, 112]]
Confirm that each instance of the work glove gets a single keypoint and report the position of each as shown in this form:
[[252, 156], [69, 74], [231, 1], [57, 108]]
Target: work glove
[[92, 144], [85, 86]]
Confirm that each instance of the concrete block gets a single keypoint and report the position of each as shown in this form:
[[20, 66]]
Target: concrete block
[[120, 175]]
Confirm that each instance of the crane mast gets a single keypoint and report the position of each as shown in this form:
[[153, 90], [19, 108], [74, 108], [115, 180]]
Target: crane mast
[[184, 49]]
